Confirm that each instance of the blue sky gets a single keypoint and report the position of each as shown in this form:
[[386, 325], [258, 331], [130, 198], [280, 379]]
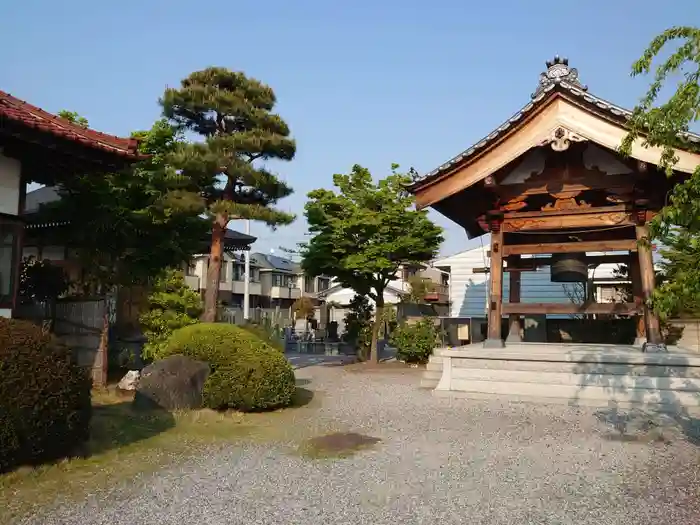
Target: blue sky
[[358, 82]]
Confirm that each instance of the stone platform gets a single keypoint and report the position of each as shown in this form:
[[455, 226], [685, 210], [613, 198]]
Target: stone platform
[[574, 374]]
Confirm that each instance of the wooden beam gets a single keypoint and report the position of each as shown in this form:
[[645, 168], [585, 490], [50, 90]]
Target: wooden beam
[[571, 247], [553, 220], [571, 308]]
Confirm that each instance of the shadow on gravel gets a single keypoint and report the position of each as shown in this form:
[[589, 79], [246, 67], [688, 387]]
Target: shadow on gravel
[[302, 397]]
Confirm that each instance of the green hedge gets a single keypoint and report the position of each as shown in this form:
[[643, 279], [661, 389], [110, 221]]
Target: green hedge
[[45, 404], [247, 373]]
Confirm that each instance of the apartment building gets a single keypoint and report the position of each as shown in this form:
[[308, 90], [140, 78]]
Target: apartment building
[[274, 281]]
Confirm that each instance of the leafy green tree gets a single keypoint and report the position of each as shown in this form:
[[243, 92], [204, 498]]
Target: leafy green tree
[[665, 125], [126, 227], [171, 305], [358, 325], [232, 113], [364, 231]]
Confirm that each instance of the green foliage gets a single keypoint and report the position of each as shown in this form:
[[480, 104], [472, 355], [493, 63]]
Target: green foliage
[[268, 333], [415, 342], [214, 343], [358, 325], [665, 125], [171, 305], [233, 115], [247, 373], [364, 231], [41, 280], [128, 226], [44, 397], [73, 117], [419, 288], [255, 379]]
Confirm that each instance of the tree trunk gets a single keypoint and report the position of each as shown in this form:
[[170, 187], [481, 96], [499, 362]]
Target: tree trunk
[[211, 294], [378, 320]]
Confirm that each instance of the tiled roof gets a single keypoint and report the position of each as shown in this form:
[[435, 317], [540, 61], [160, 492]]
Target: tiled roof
[[25, 114], [558, 77]]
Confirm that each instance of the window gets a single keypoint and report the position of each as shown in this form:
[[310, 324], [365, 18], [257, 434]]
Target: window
[[308, 284], [191, 269], [238, 272], [9, 244], [223, 273], [277, 279], [323, 284]]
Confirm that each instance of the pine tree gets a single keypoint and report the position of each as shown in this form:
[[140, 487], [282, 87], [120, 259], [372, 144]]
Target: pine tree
[[232, 113]]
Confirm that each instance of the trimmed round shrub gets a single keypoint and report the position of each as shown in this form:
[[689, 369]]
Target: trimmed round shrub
[[214, 343], [254, 380], [44, 397], [247, 373]]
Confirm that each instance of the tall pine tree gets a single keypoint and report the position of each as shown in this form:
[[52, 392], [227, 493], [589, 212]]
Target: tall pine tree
[[233, 115]]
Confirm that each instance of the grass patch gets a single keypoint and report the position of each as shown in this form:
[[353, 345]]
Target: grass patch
[[126, 443]]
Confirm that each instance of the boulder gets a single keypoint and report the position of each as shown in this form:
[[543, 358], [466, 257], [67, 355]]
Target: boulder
[[130, 380], [173, 383]]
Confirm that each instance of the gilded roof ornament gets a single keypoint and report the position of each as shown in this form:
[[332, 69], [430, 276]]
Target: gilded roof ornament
[[558, 71]]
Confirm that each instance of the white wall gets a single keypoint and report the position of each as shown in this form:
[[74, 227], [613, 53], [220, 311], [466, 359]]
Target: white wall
[[9, 185], [468, 290], [345, 295]]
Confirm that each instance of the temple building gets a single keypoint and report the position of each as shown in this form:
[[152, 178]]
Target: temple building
[[549, 181], [36, 146]]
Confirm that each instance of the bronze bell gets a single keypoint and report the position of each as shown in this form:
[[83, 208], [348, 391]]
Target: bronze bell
[[569, 268]]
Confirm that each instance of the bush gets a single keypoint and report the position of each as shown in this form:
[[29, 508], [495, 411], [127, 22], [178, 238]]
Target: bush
[[247, 373], [415, 342], [268, 333], [256, 379], [171, 305], [44, 397], [214, 343]]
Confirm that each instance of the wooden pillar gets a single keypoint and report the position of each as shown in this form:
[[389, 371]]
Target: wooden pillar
[[514, 326], [638, 295], [654, 340], [494, 339]]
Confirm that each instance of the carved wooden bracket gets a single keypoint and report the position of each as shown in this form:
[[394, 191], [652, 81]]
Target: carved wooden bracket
[[565, 204], [561, 138]]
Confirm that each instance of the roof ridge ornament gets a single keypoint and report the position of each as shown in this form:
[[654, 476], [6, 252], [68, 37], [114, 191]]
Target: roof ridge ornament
[[558, 71]]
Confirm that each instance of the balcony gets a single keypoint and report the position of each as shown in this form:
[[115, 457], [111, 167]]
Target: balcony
[[238, 287], [283, 292], [437, 293]]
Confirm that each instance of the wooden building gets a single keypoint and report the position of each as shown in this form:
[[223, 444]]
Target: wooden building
[[36, 146], [549, 181]]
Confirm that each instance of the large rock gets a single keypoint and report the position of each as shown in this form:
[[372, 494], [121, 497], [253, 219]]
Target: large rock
[[130, 380], [173, 383]]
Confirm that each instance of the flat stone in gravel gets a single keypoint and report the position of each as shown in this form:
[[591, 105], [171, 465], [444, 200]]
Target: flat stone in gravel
[[439, 461]]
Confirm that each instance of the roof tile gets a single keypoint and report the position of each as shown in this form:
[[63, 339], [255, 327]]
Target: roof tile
[[26, 114]]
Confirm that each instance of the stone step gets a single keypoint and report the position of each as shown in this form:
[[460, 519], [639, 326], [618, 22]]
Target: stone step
[[619, 404], [573, 394], [569, 367], [461, 377]]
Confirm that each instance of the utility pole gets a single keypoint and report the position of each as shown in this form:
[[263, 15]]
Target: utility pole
[[246, 279]]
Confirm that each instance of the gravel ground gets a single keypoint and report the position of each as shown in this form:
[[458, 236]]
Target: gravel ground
[[440, 461]]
